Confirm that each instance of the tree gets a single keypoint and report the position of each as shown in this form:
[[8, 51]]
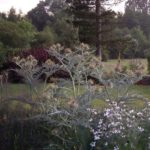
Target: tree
[[54, 15], [45, 38], [66, 33], [90, 16], [143, 42], [84, 20], [134, 16], [29, 31], [98, 12], [13, 16], [120, 43], [3, 16], [16, 35], [3, 54], [138, 23], [39, 16], [99, 4], [142, 6], [45, 11], [55, 6], [130, 19]]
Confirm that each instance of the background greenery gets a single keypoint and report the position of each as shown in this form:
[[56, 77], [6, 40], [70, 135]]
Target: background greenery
[[122, 34]]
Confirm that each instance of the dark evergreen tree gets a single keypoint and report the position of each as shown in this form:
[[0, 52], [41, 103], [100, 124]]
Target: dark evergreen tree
[[39, 16], [13, 16], [3, 16], [137, 14], [95, 23]]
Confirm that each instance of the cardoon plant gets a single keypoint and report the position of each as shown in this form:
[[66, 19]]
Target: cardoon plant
[[67, 105]]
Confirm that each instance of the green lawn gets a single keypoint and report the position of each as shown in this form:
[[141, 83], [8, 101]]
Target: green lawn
[[142, 90], [22, 89], [110, 64]]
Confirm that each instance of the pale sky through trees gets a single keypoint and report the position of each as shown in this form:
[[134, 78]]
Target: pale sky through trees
[[26, 5]]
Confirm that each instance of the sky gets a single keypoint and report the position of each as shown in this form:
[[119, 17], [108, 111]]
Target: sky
[[119, 7], [26, 5]]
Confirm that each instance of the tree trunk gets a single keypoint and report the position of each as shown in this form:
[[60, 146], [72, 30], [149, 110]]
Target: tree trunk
[[98, 29], [119, 57]]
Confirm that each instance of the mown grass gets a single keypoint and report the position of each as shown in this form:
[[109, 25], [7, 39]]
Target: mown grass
[[20, 110], [24, 90], [142, 90], [12, 90], [111, 64]]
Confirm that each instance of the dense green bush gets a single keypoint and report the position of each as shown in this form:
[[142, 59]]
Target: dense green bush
[[66, 33], [45, 38], [16, 35], [2, 54]]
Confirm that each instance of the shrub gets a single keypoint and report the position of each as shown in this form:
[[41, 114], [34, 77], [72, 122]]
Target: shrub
[[40, 54], [44, 38], [136, 66], [2, 54], [66, 107]]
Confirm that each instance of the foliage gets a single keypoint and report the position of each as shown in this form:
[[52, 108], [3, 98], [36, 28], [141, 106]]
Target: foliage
[[54, 23], [2, 54], [13, 16], [39, 16], [134, 18], [66, 33], [142, 41], [120, 43], [138, 45], [85, 15], [72, 22], [139, 6], [16, 35], [45, 38], [29, 31], [72, 115], [148, 67], [65, 107]]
